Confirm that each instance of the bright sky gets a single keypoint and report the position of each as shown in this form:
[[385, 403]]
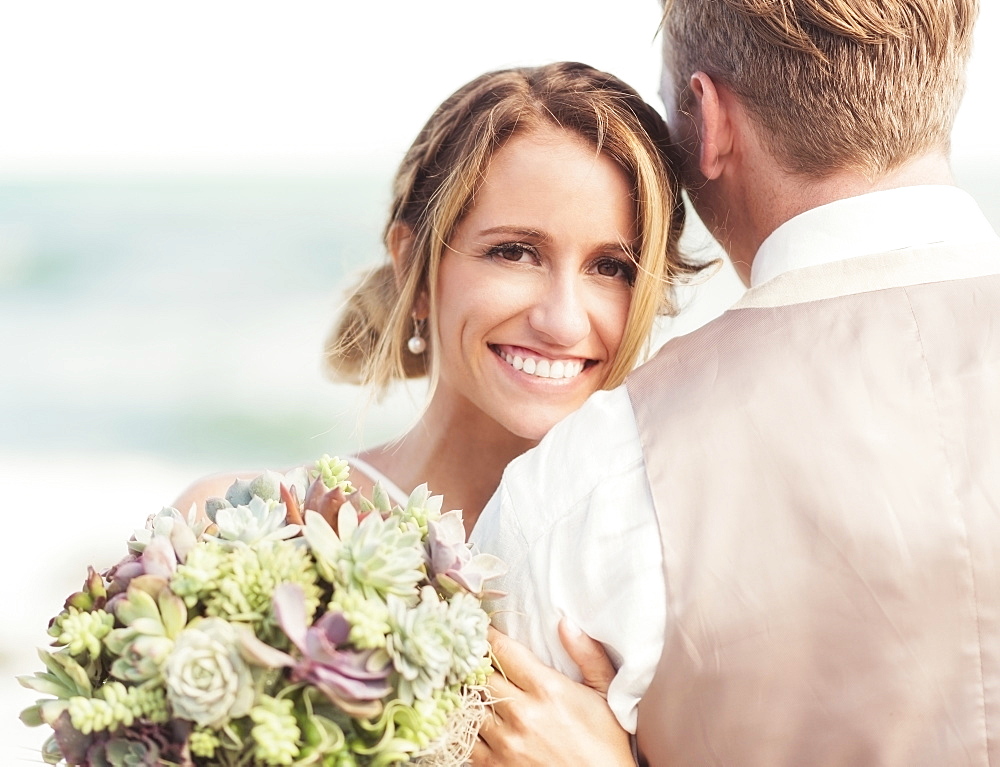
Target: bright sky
[[303, 84]]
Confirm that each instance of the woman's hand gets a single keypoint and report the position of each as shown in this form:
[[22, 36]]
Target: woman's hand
[[544, 719]]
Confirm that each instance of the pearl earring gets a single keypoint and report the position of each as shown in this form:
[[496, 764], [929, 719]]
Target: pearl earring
[[416, 343]]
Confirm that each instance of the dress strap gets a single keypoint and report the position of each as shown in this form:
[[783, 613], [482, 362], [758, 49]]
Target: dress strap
[[396, 495]]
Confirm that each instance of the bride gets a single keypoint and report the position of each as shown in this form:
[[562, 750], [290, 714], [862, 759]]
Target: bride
[[532, 240]]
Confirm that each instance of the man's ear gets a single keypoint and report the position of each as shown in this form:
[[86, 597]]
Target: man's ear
[[714, 124]]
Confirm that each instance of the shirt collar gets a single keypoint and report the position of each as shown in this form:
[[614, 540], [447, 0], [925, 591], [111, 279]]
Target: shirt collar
[[872, 223]]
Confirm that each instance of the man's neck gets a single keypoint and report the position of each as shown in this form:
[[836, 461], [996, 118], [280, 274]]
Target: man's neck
[[784, 196]]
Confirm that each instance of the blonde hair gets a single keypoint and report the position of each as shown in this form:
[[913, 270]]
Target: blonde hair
[[440, 174], [836, 84]]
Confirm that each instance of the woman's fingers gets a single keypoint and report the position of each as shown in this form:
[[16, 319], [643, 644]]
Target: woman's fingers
[[589, 655], [515, 661]]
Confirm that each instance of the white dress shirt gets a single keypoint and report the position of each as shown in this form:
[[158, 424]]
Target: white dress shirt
[[574, 519]]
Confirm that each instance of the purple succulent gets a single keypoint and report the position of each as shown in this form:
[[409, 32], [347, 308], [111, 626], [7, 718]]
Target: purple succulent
[[142, 745], [454, 564], [93, 595], [158, 561], [322, 499], [72, 744], [353, 680]]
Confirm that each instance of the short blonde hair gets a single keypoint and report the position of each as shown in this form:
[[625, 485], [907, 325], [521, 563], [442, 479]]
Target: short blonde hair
[[836, 84], [440, 174]]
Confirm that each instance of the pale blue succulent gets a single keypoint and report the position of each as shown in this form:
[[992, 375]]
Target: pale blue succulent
[[239, 493], [468, 625], [420, 645], [266, 486]]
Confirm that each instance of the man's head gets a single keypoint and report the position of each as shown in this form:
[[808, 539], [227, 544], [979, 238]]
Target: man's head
[[832, 85], [780, 106]]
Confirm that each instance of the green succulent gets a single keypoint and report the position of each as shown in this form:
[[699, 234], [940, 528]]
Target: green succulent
[[275, 733]]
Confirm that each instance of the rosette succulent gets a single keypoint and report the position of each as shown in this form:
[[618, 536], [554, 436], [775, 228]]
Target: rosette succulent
[[420, 644], [293, 492], [207, 680], [149, 629], [421, 508], [253, 522], [373, 555]]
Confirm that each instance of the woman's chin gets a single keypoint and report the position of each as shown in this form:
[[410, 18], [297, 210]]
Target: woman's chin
[[533, 428]]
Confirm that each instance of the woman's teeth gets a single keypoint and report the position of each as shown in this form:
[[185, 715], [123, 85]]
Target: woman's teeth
[[545, 368]]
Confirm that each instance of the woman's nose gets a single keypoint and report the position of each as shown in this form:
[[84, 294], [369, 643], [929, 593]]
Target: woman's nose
[[559, 313]]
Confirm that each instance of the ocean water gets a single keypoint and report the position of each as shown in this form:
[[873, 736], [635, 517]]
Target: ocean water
[[183, 318], [153, 330]]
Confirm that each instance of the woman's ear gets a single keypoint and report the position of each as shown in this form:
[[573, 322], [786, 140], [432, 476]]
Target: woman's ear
[[400, 244], [400, 241], [713, 124], [421, 306]]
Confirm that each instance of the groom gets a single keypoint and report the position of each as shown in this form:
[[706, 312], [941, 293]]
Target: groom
[[785, 528]]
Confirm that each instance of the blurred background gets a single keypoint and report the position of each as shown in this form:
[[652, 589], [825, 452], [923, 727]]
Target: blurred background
[[186, 190]]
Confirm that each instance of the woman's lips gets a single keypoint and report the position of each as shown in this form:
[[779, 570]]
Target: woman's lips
[[539, 366]]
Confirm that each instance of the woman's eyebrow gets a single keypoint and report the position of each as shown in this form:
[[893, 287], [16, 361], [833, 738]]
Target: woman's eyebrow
[[520, 231]]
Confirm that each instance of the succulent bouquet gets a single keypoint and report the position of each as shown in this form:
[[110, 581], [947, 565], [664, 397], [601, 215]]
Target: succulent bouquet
[[282, 627]]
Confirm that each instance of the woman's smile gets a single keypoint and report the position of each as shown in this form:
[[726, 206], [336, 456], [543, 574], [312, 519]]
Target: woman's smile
[[538, 365]]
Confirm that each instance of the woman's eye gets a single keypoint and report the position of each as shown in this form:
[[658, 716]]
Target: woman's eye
[[613, 267], [512, 251]]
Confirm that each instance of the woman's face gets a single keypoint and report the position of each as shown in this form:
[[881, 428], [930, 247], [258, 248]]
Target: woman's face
[[535, 284]]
